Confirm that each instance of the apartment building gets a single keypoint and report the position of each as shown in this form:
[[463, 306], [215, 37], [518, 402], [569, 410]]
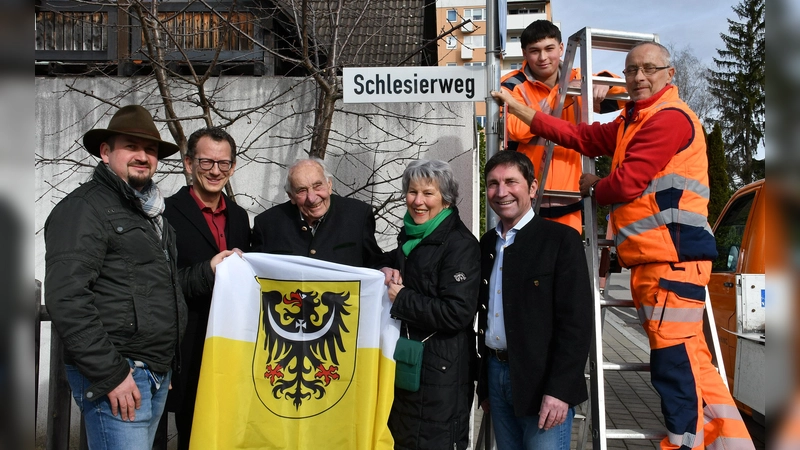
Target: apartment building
[[466, 44]]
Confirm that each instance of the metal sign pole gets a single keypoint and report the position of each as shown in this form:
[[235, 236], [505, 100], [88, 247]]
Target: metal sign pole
[[493, 84]]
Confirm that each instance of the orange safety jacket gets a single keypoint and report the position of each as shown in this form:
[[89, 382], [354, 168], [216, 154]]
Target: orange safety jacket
[[565, 165], [668, 222]]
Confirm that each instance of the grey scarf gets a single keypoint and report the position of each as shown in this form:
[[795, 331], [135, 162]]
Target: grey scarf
[[152, 202]]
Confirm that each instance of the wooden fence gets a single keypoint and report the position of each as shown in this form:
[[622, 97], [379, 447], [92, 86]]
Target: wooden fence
[[84, 33], [59, 396]]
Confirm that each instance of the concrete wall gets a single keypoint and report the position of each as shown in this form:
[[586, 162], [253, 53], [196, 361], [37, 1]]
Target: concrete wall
[[369, 146]]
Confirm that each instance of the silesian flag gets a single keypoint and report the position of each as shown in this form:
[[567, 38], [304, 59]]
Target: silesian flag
[[298, 355]]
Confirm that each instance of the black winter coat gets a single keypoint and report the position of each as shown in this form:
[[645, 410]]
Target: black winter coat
[[441, 278], [346, 235], [112, 287], [547, 305], [196, 244]]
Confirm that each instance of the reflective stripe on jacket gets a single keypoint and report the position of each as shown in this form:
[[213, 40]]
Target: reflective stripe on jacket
[[668, 222]]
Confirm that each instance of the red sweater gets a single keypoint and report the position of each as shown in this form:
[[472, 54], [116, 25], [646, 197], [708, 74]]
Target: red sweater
[[649, 151]]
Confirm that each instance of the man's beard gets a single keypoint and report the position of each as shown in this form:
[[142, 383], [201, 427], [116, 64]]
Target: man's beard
[[138, 181]]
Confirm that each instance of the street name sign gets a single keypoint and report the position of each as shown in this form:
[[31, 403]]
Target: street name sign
[[414, 84]]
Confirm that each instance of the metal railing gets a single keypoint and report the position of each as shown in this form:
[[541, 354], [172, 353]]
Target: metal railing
[[59, 393]]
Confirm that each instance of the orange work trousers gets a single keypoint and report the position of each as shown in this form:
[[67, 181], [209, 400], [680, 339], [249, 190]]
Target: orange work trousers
[[697, 406]]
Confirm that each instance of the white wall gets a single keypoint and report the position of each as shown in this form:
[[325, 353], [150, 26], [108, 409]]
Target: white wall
[[365, 142]]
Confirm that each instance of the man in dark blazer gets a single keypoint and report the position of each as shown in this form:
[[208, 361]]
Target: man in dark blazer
[[535, 319], [206, 221], [318, 224]]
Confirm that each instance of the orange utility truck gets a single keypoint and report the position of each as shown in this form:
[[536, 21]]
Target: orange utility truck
[[738, 295]]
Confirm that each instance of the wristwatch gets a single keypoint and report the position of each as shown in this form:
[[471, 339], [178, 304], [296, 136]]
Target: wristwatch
[[591, 188]]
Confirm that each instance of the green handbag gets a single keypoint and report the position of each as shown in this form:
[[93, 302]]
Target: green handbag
[[408, 358]]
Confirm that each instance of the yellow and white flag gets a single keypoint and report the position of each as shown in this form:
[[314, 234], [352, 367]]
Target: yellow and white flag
[[298, 355]]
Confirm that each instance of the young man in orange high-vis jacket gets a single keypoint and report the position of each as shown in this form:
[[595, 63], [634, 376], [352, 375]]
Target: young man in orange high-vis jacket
[[536, 85]]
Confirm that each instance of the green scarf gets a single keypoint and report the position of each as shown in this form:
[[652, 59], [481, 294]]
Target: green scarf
[[416, 233]]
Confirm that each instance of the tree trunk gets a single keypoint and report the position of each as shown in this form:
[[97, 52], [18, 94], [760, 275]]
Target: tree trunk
[[155, 52], [323, 118]]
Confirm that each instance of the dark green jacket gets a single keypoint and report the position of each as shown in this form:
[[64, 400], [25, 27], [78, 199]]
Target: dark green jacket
[[112, 287]]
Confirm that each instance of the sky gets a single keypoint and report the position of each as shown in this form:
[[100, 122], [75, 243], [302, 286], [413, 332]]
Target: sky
[[694, 23]]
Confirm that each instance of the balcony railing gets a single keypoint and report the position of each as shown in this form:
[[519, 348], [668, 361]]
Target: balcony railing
[[518, 22], [68, 32], [206, 30], [79, 33], [513, 50]]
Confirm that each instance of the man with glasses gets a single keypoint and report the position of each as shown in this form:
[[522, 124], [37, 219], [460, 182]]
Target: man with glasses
[[206, 222], [658, 191]]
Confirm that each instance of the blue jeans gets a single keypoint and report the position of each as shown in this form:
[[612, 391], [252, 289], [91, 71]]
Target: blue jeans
[[104, 431], [518, 433]]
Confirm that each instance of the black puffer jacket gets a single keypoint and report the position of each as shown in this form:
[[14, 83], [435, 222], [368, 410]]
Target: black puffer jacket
[[441, 278], [111, 285]]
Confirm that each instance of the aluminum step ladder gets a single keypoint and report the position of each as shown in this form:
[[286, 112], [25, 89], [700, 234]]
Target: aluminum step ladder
[[587, 40]]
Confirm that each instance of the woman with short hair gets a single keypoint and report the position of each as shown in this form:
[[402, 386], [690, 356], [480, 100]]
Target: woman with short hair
[[436, 301]]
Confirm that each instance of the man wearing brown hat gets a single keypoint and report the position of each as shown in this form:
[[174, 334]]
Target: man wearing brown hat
[[112, 286]]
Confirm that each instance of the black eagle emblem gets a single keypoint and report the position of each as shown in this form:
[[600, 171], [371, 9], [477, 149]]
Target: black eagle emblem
[[303, 333]]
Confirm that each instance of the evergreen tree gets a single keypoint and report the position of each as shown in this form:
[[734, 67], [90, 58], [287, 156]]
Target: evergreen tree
[[717, 173], [739, 88], [759, 169]]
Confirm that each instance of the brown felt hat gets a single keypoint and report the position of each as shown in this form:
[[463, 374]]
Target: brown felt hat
[[131, 120]]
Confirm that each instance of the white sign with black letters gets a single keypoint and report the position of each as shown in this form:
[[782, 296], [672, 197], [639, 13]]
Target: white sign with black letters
[[414, 84]]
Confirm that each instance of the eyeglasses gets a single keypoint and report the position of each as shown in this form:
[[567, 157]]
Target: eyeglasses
[[648, 70], [207, 163]]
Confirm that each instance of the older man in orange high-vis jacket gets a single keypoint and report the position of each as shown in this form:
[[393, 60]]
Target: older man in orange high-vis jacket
[[658, 189]]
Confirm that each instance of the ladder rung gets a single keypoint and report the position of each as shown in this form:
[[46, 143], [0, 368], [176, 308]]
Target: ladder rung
[[599, 79], [576, 92], [621, 96], [626, 367], [653, 435], [605, 242], [616, 40], [562, 194], [617, 302], [608, 81]]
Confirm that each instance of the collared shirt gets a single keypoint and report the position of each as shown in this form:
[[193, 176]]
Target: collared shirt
[[216, 220], [315, 226], [495, 325]]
